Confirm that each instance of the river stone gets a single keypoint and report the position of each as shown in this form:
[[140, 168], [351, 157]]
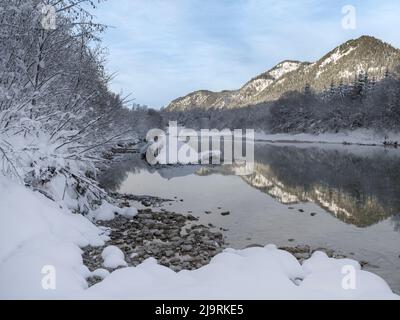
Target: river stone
[[169, 253], [187, 248]]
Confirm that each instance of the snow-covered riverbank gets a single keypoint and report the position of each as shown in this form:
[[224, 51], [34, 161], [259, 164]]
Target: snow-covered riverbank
[[358, 137], [40, 238]]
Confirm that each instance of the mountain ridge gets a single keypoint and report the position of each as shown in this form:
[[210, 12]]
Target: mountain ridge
[[343, 64]]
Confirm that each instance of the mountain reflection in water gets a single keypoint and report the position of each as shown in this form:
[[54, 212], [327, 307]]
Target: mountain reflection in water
[[358, 185]]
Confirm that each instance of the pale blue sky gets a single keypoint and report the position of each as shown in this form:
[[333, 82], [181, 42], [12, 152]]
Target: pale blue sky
[[164, 49]]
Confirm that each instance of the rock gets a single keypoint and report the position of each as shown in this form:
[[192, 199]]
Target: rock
[[145, 216], [169, 253], [187, 248], [208, 212], [301, 210], [302, 256], [226, 213], [160, 236], [155, 250], [313, 214], [255, 245]]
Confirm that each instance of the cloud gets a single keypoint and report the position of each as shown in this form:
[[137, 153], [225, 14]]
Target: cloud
[[163, 49]]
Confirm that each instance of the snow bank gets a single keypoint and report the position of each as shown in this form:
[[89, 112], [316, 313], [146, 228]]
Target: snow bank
[[113, 258], [39, 239], [37, 234], [363, 137], [255, 273], [107, 212]]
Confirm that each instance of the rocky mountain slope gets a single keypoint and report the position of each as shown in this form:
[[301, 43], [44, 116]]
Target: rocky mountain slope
[[342, 65]]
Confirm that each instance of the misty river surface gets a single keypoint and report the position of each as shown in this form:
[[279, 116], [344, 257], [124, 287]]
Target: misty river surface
[[344, 198]]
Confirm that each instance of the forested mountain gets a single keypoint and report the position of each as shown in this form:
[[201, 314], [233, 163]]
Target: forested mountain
[[363, 56], [229, 99], [363, 103]]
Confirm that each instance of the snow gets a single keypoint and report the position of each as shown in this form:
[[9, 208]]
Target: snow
[[284, 68], [336, 56], [326, 275], [185, 153], [39, 238], [257, 85], [37, 233], [100, 273], [254, 273], [362, 137], [107, 212], [113, 257], [333, 58]]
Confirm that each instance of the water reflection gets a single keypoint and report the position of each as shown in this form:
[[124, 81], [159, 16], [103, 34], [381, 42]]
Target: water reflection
[[361, 186], [358, 185]]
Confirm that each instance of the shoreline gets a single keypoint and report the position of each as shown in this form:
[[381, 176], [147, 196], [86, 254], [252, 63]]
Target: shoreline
[[358, 138], [177, 241]]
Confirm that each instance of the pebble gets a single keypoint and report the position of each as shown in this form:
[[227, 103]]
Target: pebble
[[159, 236], [169, 253], [187, 248]]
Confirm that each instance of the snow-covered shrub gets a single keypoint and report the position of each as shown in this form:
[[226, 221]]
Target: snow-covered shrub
[[57, 114]]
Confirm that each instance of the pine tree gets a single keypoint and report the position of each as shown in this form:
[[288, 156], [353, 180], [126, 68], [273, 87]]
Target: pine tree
[[307, 90], [387, 73]]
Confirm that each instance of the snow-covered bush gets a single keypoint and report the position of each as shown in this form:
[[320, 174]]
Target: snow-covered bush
[[57, 114]]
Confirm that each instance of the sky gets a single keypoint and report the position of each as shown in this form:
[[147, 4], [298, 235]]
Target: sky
[[164, 49]]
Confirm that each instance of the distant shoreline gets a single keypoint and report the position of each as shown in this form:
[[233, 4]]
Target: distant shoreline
[[358, 137]]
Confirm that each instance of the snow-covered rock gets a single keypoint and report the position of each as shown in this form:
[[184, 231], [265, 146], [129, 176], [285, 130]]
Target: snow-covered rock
[[107, 212], [113, 257], [100, 273]]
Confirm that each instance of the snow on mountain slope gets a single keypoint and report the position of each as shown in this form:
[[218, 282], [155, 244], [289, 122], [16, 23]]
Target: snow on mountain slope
[[241, 97], [283, 68], [341, 65]]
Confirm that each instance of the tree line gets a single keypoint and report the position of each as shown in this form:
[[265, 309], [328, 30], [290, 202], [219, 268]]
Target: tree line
[[363, 103]]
